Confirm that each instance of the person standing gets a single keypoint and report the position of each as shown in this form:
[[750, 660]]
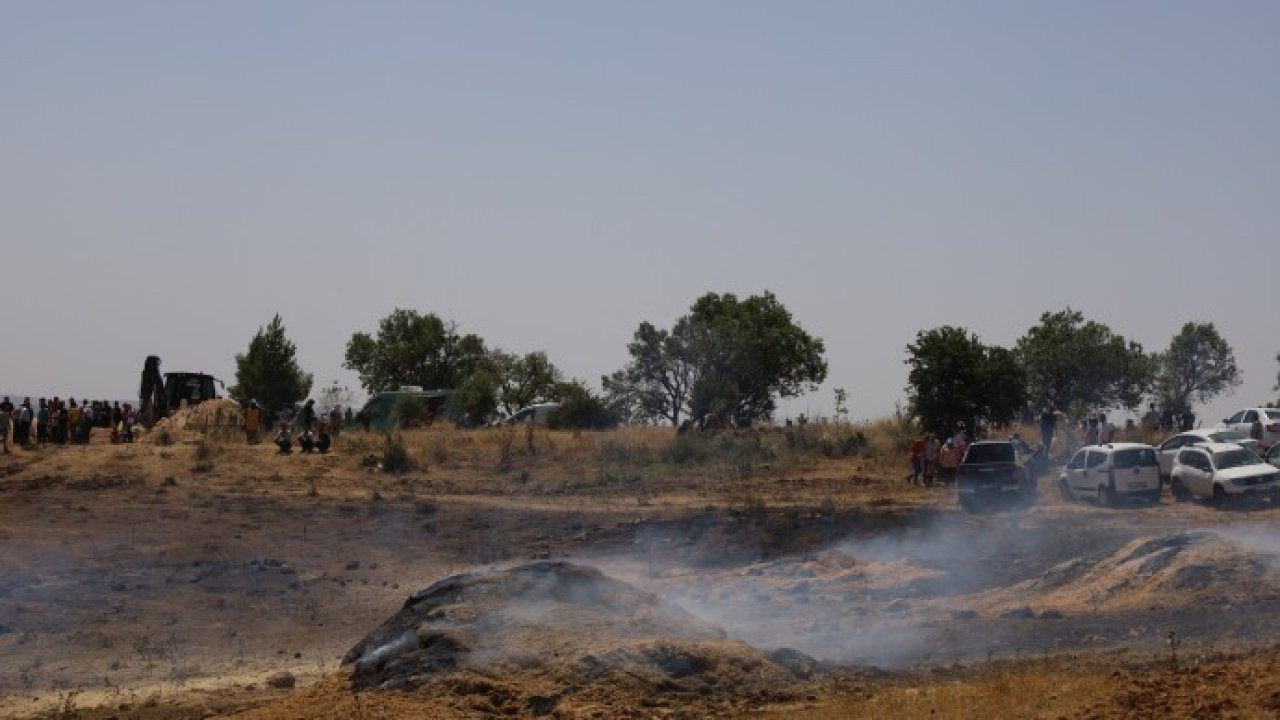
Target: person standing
[[6, 412], [72, 421], [1106, 429], [252, 422], [22, 430], [1048, 427], [949, 457], [307, 418], [42, 422], [915, 455], [931, 449], [86, 423]]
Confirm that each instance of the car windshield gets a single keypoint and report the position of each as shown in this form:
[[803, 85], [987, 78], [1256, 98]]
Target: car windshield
[[1137, 457], [1273, 414], [989, 453], [1227, 436], [1235, 458]]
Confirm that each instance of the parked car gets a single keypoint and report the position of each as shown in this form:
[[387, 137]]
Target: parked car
[[1108, 473], [1168, 449], [993, 472], [537, 414], [1221, 471], [1242, 422]]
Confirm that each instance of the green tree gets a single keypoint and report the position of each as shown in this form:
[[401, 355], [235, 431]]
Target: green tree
[[1071, 362], [657, 383], [414, 349], [728, 357], [954, 377], [522, 380], [268, 372], [1198, 366]]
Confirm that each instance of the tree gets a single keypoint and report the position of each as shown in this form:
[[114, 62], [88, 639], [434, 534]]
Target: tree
[[955, 378], [414, 349], [524, 380], [726, 357], [268, 372], [1198, 366], [656, 385], [1071, 362]]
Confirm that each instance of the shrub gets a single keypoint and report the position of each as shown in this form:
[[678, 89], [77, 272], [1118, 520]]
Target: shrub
[[580, 409], [395, 456]]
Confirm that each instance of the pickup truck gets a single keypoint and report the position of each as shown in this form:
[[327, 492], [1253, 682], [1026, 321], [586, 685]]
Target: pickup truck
[[993, 473]]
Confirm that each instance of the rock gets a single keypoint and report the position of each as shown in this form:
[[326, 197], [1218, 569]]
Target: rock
[[282, 680]]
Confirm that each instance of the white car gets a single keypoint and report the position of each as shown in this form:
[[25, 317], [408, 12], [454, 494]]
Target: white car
[[538, 414], [1110, 472], [1168, 449], [1220, 471], [1242, 422]]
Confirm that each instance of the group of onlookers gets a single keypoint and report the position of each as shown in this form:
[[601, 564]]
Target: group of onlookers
[[936, 460], [317, 432], [61, 422]]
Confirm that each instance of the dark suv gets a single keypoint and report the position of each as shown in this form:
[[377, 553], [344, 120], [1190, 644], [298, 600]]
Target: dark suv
[[994, 473]]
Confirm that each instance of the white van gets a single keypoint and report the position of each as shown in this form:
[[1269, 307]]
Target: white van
[[1110, 472]]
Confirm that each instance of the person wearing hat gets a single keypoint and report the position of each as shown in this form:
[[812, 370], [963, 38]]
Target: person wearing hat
[[252, 422]]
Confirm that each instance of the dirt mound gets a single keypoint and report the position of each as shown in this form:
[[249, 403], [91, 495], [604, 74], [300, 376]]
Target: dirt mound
[[1169, 571], [551, 635], [218, 419]]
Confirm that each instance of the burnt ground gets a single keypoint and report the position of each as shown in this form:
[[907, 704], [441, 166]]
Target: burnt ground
[[152, 581]]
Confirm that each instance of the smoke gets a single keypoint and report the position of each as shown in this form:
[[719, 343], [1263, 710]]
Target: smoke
[[934, 591]]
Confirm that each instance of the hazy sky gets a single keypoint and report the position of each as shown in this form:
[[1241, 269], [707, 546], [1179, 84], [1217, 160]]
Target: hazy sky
[[550, 174]]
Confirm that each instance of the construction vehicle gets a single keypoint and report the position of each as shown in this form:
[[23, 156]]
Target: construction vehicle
[[161, 395]]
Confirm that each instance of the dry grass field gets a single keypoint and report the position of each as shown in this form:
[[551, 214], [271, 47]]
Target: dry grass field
[[202, 577]]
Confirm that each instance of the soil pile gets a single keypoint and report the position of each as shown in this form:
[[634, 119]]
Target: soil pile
[[1187, 569], [563, 637], [217, 419]]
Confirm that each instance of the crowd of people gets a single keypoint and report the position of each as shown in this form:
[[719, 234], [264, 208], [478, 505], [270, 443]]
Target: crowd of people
[[58, 422], [315, 432]]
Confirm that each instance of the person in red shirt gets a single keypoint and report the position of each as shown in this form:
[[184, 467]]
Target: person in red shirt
[[916, 454]]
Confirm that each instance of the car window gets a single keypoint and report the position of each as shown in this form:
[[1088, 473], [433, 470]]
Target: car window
[[1190, 458], [1238, 417], [988, 453], [1235, 458], [1250, 416], [1136, 457], [1173, 443], [1273, 414], [1095, 459], [1077, 460]]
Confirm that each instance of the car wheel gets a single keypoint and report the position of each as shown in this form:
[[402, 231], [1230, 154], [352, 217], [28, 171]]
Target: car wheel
[[1219, 495], [1179, 491], [1065, 491]]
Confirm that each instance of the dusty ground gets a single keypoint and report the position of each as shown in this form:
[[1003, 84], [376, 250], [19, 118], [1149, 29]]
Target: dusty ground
[[184, 580]]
